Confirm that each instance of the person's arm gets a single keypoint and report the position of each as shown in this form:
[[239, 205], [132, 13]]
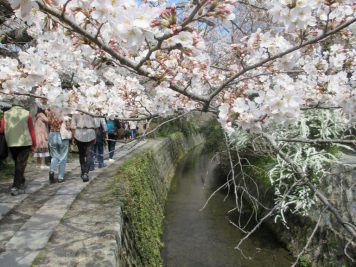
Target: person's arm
[[2, 124], [105, 128], [103, 125], [32, 131], [45, 118]]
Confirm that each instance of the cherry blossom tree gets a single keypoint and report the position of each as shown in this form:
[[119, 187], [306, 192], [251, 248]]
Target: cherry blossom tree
[[259, 66]]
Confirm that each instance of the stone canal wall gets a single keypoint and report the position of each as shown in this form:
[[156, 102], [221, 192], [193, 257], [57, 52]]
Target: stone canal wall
[[142, 185]]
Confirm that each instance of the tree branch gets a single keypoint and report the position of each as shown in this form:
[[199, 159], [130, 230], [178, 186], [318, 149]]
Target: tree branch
[[317, 141], [24, 94], [309, 239], [288, 51], [304, 177], [131, 65]]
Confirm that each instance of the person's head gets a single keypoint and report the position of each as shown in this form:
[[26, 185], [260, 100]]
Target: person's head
[[40, 110]]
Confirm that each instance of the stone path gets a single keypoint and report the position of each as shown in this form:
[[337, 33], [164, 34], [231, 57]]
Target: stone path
[[27, 221]]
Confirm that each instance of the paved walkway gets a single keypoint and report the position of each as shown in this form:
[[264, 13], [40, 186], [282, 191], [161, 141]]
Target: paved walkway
[[27, 221]]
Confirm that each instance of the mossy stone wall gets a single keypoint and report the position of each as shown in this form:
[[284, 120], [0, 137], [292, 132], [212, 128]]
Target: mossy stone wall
[[142, 185]]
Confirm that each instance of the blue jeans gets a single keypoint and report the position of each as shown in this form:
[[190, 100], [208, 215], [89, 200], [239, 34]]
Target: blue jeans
[[99, 150], [133, 133], [58, 149], [111, 146]]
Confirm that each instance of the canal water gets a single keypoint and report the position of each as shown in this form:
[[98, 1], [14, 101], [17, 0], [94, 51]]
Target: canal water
[[194, 238]]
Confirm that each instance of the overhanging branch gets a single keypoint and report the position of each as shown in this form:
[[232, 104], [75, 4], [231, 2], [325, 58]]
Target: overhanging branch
[[304, 177]]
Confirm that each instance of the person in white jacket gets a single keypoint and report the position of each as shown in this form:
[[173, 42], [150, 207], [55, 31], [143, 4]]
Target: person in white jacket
[[133, 129]]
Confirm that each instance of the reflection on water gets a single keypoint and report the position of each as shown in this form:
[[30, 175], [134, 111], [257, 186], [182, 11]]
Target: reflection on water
[[194, 238]]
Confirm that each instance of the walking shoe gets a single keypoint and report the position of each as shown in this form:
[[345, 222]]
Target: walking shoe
[[22, 189], [85, 177], [111, 160], [14, 191], [51, 178], [60, 180]]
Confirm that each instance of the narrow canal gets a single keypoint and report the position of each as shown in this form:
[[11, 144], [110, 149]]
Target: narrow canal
[[194, 238]]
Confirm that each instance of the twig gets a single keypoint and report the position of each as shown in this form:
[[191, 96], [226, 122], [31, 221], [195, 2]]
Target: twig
[[99, 29], [24, 94], [65, 8], [317, 141], [232, 171], [309, 239], [345, 251]]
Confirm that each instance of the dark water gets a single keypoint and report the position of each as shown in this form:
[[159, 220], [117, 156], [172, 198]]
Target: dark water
[[194, 238]]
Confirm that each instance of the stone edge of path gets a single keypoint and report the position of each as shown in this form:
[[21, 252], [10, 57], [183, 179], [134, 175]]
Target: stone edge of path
[[83, 238]]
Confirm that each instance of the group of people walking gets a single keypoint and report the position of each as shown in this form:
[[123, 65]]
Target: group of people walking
[[51, 134]]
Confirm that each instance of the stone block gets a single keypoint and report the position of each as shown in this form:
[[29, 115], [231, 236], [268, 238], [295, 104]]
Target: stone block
[[29, 240], [44, 219], [71, 188], [5, 208], [7, 198], [17, 259], [59, 201]]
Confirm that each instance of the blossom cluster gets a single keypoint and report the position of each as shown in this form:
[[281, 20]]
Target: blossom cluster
[[156, 48]]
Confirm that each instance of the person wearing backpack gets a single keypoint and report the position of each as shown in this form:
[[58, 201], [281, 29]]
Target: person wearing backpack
[[113, 126]]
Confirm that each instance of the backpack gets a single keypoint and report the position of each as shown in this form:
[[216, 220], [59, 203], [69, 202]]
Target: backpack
[[112, 127]]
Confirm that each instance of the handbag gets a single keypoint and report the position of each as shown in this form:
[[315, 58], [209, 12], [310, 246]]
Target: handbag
[[3, 147]]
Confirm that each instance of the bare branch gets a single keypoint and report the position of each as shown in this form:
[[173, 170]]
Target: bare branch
[[173, 119], [65, 8], [99, 29], [309, 239], [318, 141], [24, 94], [319, 107], [304, 177], [345, 251], [252, 5], [232, 171]]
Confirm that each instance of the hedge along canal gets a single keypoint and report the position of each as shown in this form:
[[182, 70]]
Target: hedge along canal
[[205, 238]]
